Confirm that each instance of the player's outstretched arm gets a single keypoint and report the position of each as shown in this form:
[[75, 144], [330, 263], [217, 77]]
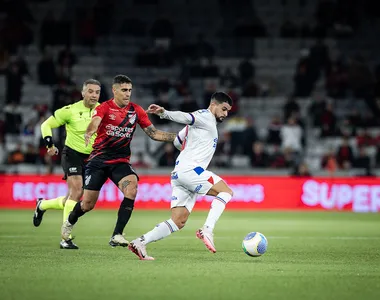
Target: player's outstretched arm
[[91, 129], [47, 134], [159, 135], [176, 116]]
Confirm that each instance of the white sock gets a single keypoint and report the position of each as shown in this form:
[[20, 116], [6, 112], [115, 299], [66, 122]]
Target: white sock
[[159, 232], [217, 207]]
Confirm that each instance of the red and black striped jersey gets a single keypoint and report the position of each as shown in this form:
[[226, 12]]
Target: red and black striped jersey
[[115, 132]]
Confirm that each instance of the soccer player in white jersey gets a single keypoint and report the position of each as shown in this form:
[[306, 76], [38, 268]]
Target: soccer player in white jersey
[[190, 176]]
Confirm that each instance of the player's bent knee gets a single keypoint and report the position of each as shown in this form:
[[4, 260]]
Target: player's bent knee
[[87, 206], [180, 224], [130, 193], [128, 188], [227, 189], [180, 221]]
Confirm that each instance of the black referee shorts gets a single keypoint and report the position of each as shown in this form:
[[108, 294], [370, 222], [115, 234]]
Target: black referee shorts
[[97, 174], [73, 162]]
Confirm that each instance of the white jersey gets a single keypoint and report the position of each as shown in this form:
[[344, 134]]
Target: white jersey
[[197, 142], [199, 138]]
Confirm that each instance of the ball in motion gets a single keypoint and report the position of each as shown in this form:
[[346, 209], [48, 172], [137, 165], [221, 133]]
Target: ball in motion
[[255, 244]]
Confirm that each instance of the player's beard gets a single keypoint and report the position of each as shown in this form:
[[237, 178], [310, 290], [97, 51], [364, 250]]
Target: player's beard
[[220, 119]]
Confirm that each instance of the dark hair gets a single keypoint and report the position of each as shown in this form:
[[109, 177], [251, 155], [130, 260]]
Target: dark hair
[[119, 79], [221, 97], [91, 81]]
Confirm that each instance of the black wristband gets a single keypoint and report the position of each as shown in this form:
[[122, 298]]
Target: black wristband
[[48, 141]]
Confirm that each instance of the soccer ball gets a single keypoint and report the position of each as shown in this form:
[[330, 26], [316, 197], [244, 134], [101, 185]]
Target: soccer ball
[[255, 244]]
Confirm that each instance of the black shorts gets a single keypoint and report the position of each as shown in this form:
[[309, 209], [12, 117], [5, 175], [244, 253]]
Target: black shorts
[[73, 162], [97, 174]]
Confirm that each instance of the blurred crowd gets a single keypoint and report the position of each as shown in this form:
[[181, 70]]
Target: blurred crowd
[[281, 146]]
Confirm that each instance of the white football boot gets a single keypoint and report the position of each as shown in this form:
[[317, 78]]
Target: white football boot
[[118, 240], [207, 237], [138, 248]]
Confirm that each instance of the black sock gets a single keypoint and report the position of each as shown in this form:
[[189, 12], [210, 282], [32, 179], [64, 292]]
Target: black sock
[[75, 214], [123, 215]]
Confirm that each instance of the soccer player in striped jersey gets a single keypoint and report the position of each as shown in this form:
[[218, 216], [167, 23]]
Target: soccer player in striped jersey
[[190, 176], [115, 122], [76, 118]]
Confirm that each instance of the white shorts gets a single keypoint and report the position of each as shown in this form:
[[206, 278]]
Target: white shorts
[[188, 184]]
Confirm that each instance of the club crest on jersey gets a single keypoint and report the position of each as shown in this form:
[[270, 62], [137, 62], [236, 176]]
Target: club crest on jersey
[[132, 119], [112, 117]]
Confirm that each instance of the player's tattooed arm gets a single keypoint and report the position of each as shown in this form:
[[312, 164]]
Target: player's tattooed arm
[[159, 135]]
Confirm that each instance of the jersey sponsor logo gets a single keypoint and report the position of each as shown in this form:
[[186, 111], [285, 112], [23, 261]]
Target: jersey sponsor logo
[[174, 175], [87, 179], [123, 132], [198, 188], [73, 170], [112, 117]]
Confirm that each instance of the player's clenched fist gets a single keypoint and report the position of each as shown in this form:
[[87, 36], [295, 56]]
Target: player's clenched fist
[[155, 109], [52, 151]]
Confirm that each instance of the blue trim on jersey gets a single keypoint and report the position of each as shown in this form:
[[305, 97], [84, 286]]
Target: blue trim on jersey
[[193, 119], [199, 170], [179, 139]]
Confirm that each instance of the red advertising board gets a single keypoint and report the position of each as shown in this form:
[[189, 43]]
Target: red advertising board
[[250, 192]]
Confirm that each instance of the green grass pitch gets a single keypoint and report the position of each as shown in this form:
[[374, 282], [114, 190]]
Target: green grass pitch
[[311, 255]]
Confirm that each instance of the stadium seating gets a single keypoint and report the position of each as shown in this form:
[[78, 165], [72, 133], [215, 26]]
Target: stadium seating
[[274, 58]]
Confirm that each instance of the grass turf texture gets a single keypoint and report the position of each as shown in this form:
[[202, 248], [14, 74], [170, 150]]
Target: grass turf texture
[[311, 255]]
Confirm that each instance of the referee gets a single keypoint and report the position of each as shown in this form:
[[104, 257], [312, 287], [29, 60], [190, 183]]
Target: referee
[[76, 118]]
